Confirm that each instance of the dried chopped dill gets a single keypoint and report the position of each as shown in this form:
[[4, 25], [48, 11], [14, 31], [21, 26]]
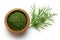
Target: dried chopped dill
[[17, 20]]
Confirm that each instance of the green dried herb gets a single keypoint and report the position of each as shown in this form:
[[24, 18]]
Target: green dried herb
[[17, 20], [41, 18]]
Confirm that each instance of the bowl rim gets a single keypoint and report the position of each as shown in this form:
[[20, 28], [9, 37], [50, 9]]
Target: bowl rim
[[26, 26]]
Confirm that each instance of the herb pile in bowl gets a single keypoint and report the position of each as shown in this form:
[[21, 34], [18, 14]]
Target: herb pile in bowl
[[17, 20]]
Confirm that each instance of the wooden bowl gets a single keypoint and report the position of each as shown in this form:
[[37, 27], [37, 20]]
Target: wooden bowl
[[27, 24]]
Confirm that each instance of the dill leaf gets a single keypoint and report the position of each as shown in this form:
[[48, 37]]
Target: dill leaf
[[42, 18]]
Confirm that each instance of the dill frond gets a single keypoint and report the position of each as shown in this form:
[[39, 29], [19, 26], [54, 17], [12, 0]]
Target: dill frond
[[42, 18]]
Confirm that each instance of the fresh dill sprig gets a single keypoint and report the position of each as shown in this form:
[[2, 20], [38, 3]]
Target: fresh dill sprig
[[42, 18]]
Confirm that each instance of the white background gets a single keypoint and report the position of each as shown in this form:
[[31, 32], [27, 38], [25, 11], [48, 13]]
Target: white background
[[50, 33]]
